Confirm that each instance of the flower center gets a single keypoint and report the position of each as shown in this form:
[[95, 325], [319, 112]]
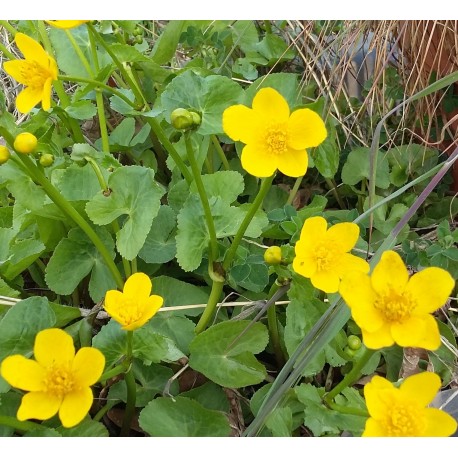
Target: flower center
[[34, 74], [394, 307], [404, 420], [130, 311], [325, 256], [59, 380], [276, 140]]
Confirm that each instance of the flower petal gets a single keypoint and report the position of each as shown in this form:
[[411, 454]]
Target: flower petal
[[430, 288], [421, 388], [439, 423], [344, 234], [293, 163], [23, 373], [304, 265], [53, 346], [256, 162], [31, 49], [417, 331], [46, 95], [306, 129], [38, 405], [75, 407], [389, 274], [378, 393], [314, 228], [65, 24], [349, 263], [241, 123], [373, 428], [138, 286], [271, 105], [150, 308], [88, 366], [378, 339], [17, 69], [327, 281], [28, 98]]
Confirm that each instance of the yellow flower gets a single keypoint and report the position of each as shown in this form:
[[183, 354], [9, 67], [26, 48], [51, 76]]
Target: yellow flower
[[67, 24], [323, 254], [37, 71], [274, 137], [134, 306], [391, 308], [58, 380], [403, 411]]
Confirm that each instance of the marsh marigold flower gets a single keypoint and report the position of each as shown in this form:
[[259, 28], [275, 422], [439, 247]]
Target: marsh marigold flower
[[274, 138], [403, 411], [58, 380], [323, 254], [66, 24], [37, 71], [134, 306], [390, 307]]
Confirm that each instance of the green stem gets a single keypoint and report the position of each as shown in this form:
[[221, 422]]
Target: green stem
[[230, 255], [293, 192], [347, 410], [272, 325], [134, 265], [203, 198], [8, 27], [113, 372], [79, 53], [70, 211], [6, 53], [268, 27], [333, 188], [102, 121], [13, 422], [220, 152], [108, 406], [351, 377], [215, 295], [131, 389]]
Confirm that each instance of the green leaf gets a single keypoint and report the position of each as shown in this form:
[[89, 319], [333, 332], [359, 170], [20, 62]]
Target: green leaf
[[83, 109], [326, 155], [210, 395], [64, 314], [133, 193], [74, 258], [285, 83], [87, 428], [124, 132], [245, 35], [209, 96], [160, 245], [165, 47], [274, 49], [21, 323], [250, 273], [127, 53], [226, 357], [357, 167], [280, 422], [9, 405], [104, 160], [42, 432], [182, 417]]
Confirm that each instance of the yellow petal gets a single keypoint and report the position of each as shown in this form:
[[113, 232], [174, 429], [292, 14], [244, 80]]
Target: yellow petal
[[46, 95], [349, 262], [38, 406], [314, 228], [23, 373], [256, 162], [344, 234], [390, 274], [138, 286], [66, 24], [304, 265], [327, 281], [52, 67], [306, 129], [241, 123], [421, 388], [75, 407], [293, 163], [430, 289], [17, 69], [31, 49], [416, 332], [28, 98], [113, 301], [88, 366], [378, 339], [439, 423], [378, 394], [373, 428], [150, 308], [53, 346], [271, 105]]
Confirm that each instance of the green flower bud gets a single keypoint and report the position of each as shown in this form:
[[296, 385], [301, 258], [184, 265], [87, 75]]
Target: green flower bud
[[46, 159], [354, 342], [349, 352], [25, 143], [4, 154], [272, 255], [181, 119], [196, 118]]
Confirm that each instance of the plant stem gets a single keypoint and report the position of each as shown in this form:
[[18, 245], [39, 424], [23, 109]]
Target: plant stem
[[351, 377], [79, 53], [203, 198], [131, 389], [333, 188], [230, 255], [6, 53], [220, 152], [70, 211], [13, 422], [268, 27], [272, 325], [8, 27], [347, 410], [215, 294], [293, 192]]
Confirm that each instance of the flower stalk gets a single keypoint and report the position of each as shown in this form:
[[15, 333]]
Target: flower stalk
[[131, 389]]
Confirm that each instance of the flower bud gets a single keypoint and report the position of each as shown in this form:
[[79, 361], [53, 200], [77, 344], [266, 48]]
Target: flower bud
[[25, 143], [46, 159], [181, 119], [4, 154], [354, 342], [196, 118], [272, 255]]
